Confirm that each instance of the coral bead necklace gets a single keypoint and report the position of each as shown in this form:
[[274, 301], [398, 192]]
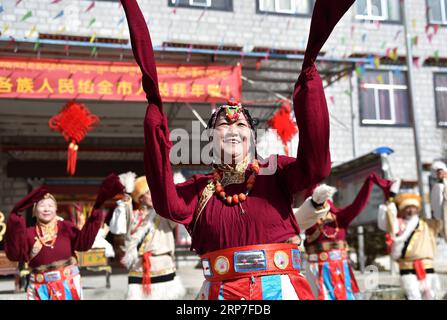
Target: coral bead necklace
[[235, 199], [321, 224], [47, 235]]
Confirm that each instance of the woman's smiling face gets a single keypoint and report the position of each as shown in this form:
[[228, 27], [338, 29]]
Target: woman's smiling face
[[232, 138], [46, 210]]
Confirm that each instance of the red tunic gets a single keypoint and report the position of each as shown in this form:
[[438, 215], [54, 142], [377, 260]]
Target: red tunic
[[269, 217], [19, 239]]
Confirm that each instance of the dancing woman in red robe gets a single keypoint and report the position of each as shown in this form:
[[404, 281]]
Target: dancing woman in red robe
[[240, 220], [328, 269], [49, 246]]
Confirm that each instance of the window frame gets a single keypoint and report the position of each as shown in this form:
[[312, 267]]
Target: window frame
[[208, 4], [387, 20], [390, 88], [443, 12], [228, 7], [284, 13], [438, 121]]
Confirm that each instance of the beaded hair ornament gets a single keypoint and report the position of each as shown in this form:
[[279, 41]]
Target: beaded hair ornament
[[233, 112]]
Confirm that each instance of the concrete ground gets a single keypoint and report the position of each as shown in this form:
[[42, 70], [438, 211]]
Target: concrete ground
[[387, 286], [94, 284]]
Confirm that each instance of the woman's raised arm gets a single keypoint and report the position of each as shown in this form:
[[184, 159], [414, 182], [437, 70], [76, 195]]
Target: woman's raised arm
[[177, 203], [16, 243], [313, 161]]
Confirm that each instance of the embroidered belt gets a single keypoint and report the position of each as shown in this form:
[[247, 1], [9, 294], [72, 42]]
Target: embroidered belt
[[410, 265], [419, 267], [54, 265], [61, 274], [326, 246], [254, 260], [413, 271], [158, 279], [328, 255], [162, 272]]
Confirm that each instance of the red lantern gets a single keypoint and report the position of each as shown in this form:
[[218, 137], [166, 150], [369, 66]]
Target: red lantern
[[284, 125], [73, 121]]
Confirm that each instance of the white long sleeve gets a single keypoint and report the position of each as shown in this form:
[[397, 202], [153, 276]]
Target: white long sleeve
[[437, 199], [306, 215], [118, 223], [388, 213], [101, 242], [399, 242]]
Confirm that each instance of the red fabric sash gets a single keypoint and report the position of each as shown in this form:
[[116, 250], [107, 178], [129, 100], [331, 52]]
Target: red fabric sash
[[146, 273], [420, 270]]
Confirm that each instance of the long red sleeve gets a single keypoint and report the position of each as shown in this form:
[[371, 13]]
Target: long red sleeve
[[20, 239], [325, 17], [16, 245], [344, 216], [143, 52], [175, 203], [347, 214], [83, 239], [313, 161]]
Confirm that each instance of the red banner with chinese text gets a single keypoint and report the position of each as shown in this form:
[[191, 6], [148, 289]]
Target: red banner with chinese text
[[104, 80]]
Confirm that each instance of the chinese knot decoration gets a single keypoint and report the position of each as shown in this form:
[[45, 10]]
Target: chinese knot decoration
[[283, 123], [73, 121]]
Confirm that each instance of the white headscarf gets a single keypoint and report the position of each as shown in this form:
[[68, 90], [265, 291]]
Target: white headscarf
[[438, 165]]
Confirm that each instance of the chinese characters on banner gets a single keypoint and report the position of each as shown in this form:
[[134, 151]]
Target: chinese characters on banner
[[100, 80]]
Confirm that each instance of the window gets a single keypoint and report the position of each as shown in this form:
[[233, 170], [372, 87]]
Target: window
[[297, 7], [384, 98], [441, 98], [383, 10], [437, 11], [226, 5]]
